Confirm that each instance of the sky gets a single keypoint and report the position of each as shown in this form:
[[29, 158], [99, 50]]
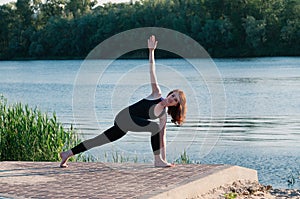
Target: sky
[[99, 1]]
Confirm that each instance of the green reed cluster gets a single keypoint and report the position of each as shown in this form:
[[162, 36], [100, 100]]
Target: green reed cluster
[[184, 159], [293, 178], [27, 134]]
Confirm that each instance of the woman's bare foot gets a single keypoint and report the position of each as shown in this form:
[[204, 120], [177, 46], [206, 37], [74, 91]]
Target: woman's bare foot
[[158, 162], [65, 155], [163, 165]]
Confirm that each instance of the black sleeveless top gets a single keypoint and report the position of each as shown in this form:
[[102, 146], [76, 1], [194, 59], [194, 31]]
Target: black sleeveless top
[[145, 109], [137, 117]]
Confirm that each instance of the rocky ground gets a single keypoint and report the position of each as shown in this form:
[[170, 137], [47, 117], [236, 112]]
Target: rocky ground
[[250, 190]]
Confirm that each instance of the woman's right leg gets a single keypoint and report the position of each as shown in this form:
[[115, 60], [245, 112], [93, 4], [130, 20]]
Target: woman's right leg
[[110, 135]]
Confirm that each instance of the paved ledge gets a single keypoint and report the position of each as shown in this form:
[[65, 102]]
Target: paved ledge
[[113, 180]]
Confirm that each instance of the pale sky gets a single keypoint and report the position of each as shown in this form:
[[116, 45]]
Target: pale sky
[[99, 1]]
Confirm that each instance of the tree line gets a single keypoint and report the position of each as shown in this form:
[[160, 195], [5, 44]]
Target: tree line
[[66, 29]]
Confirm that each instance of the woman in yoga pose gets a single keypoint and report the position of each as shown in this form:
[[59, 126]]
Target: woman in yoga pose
[[139, 118]]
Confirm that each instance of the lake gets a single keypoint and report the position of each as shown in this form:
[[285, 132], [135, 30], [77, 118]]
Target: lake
[[240, 111]]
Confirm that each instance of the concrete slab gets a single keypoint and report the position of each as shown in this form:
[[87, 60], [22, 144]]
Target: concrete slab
[[114, 180]]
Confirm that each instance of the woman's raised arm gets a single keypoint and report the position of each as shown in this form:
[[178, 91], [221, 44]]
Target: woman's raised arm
[[152, 43]]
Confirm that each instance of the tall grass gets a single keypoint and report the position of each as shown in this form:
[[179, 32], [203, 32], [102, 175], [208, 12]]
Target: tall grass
[[27, 134], [184, 159]]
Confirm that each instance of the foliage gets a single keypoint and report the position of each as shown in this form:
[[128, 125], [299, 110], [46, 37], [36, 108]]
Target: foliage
[[292, 178], [225, 28], [230, 195], [29, 135], [184, 159], [255, 31], [118, 158]]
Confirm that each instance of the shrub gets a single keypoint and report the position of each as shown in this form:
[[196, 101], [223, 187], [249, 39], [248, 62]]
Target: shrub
[[27, 134]]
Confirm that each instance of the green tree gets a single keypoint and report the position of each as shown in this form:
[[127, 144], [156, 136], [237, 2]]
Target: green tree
[[56, 38], [216, 35], [6, 24], [78, 8], [255, 31], [52, 8], [290, 31], [82, 33], [21, 30], [271, 11], [71, 28]]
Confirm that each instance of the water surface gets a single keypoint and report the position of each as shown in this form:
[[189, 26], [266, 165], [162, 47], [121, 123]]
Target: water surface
[[260, 128]]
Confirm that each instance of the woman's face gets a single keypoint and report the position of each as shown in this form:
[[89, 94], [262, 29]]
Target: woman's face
[[172, 99]]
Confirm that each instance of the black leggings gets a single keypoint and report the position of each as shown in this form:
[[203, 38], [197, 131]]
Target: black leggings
[[121, 126]]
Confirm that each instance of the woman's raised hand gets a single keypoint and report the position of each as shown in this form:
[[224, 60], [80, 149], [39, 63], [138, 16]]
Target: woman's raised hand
[[152, 43]]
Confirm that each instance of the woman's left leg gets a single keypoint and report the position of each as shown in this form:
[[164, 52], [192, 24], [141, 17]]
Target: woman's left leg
[[110, 135]]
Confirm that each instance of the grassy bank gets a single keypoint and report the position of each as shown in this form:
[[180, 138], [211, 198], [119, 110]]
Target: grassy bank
[[27, 134]]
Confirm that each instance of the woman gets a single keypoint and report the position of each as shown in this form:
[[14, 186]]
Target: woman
[[138, 118]]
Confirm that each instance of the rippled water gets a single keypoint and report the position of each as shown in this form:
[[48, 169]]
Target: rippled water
[[259, 128]]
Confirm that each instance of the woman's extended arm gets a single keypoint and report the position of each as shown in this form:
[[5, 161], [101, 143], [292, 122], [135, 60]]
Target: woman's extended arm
[[152, 43]]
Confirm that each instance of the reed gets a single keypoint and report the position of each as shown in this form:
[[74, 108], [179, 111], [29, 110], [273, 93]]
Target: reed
[[119, 158], [293, 178], [184, 159], [27, 134]]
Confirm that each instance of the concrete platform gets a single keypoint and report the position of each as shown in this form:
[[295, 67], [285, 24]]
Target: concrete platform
[[112, 180]]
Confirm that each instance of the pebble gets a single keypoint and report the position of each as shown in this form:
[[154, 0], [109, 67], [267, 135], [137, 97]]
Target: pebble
[[250, 190]]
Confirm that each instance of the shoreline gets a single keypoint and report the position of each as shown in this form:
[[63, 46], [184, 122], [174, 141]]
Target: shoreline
[[245, 189], [138, 58]]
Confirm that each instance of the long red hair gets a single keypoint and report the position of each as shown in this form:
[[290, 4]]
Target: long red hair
[[178, 112]]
